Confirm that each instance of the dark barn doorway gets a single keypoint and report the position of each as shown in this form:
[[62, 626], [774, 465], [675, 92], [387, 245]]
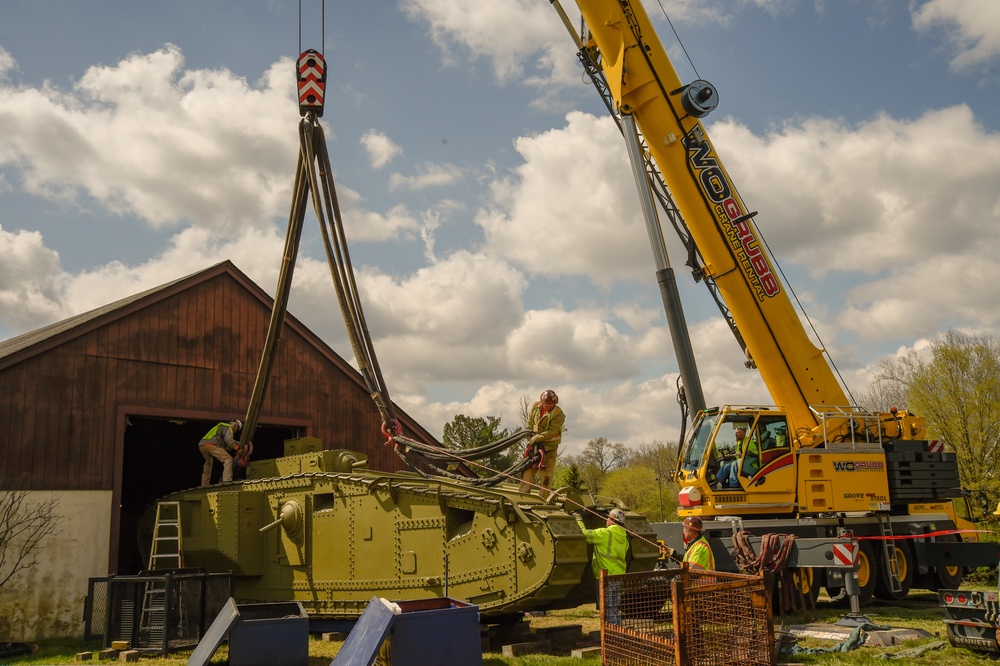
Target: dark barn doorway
[[160, 457]]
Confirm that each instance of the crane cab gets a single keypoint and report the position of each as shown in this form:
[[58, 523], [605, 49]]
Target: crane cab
[[738, 460], [747, 461]]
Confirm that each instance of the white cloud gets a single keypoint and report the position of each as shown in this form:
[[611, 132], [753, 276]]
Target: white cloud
[[147, 138], [380, 148], [927, 297], [430, 175], [7, 63], [971, 26], [363, 225], [638, 318], [31, 281], [462, 27], [464, 298], [912, 218], [570, 346], [571, 207]]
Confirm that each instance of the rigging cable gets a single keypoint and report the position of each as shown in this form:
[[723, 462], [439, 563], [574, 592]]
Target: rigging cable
[[322, 46], [313, 145], [681, 43]]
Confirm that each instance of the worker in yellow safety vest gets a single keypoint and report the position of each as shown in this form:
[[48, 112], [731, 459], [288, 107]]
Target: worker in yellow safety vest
[[610, 554], [547, 421], [699, 554], [216, 445]]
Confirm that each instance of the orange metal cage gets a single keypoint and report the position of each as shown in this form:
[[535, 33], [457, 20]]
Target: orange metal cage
[[687, 617]]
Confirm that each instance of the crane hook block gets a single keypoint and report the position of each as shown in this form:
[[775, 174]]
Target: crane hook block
[[311, 77], [699, 98]]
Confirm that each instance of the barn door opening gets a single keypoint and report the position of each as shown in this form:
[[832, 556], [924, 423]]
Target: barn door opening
[[160, 457]]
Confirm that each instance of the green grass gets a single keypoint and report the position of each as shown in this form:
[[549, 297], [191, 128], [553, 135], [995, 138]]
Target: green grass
[[919, 611]]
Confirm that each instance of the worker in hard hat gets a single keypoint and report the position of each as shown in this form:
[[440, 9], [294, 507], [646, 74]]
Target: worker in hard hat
[[216, 445], [610, 554], [546, 420], [699, 554]]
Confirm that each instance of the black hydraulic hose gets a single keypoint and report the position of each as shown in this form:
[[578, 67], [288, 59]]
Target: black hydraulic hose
[[296, 217], [484, 451], [313, 143], [407, 445]]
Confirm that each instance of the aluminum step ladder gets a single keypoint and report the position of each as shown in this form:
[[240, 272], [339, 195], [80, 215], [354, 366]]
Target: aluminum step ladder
[[165, 552], [889, 549]]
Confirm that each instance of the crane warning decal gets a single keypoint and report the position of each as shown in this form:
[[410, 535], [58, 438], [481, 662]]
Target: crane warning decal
[[846, 554], [732, 215]]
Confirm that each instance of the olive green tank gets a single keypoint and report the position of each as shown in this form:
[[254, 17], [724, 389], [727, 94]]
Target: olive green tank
[[322, 529]]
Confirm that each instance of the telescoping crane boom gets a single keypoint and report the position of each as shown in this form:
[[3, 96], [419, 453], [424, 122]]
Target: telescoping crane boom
[[812, 455], [645, 86]]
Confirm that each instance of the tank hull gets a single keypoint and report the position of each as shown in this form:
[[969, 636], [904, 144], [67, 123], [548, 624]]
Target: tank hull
[[294, 531]]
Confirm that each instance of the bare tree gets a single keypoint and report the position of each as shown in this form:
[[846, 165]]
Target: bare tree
[[605, 455], [956, 387], [23, 528], [661, 457], [597, 459], [887, 388], [524, 407]]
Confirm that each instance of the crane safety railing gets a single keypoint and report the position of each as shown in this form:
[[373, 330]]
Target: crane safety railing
[[863, 427]]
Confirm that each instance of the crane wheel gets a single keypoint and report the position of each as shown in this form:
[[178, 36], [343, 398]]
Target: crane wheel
[[949, 578], [807, 581]]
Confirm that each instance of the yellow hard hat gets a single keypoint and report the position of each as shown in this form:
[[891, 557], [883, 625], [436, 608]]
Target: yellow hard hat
[[997, 512]]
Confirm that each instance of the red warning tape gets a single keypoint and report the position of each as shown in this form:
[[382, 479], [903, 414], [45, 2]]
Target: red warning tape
[[918, 536]]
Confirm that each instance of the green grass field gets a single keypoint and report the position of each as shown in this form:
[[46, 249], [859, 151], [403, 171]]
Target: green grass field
[[919, 611]]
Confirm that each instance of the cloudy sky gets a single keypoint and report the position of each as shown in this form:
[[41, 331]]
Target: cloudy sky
[[490, 209]]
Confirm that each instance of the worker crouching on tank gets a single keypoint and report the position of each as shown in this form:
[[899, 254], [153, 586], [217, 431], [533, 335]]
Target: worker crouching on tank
[[216, 445]]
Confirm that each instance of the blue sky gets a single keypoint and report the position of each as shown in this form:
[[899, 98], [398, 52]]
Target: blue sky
[[490, 209]]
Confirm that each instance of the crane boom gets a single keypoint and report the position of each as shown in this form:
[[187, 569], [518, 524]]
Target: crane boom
[[645, 85]]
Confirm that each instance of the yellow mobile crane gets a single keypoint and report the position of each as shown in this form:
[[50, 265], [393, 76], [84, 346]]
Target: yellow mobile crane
[[812, 464]]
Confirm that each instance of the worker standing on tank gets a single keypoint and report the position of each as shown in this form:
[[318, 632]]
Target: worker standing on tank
[[699, 554], [216, 444], [610, 554], [546, 420]]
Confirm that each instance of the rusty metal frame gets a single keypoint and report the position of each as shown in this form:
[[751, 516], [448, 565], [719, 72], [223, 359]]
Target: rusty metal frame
[[687, 617]]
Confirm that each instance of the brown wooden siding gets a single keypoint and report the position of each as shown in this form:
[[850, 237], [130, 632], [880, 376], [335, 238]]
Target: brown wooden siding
[[194, 348]]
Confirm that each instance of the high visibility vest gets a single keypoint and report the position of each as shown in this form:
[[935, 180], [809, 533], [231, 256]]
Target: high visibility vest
[[699, 554], [553, 420], [610, 548], [216, 437], [753, 452]]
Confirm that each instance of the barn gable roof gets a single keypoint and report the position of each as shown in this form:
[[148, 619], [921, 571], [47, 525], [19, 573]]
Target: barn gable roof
[[33, 343]]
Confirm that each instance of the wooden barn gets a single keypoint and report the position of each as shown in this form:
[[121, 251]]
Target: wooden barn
[[103, 413]]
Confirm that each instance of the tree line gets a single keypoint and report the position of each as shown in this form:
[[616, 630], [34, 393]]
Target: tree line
[[953, 382]]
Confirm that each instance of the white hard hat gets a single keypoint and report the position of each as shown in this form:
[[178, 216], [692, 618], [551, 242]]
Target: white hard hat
[[238, 424]]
